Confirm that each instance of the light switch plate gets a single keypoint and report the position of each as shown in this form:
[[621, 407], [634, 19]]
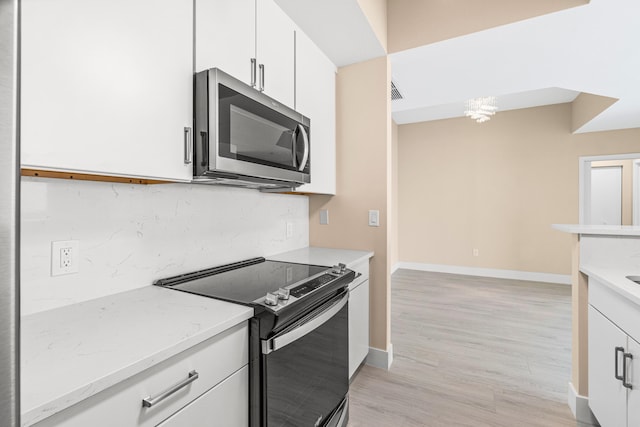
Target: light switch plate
[[324, 216], [374, 218]]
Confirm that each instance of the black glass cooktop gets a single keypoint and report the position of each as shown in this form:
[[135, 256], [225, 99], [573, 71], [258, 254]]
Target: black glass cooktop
[[244, 284]]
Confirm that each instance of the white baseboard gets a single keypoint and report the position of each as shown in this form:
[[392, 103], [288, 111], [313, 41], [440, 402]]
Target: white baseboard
[[580, 407], [564, 279], [380, 358]]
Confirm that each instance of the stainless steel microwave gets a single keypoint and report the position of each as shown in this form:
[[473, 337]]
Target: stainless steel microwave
[[246, 138]]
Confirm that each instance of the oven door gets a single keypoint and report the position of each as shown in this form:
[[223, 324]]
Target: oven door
[[305, 369]]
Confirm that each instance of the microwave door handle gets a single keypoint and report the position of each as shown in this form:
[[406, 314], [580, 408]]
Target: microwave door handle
[[294, 147], [205, 148], [305, 157]]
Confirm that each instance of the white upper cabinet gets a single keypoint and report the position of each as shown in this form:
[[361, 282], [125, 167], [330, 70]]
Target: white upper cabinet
[[225, 36], [106, 86], [232, 33], [316, 99], [275, 52]]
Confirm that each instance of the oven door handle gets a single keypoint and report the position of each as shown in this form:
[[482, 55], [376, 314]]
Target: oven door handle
[[278, 342]]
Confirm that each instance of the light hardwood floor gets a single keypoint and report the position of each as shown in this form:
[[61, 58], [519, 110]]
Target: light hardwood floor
[[470, 351]]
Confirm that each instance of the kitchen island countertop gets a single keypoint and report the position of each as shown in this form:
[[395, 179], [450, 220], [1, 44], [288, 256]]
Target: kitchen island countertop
[[616, 280], [598, 229]]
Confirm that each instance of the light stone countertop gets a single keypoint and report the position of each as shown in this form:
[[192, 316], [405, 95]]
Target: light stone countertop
[[323, 256], [615, 279], [604, 230], [71, 353]]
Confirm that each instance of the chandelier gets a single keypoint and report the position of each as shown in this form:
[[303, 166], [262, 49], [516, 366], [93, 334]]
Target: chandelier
[[481, 109]]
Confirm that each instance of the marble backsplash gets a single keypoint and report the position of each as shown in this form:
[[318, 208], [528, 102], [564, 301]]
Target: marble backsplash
[[131, 235]]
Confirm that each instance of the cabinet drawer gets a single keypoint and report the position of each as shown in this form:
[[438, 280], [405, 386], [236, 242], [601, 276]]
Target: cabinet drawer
[[121, 405], [225, 405], [620, 310]]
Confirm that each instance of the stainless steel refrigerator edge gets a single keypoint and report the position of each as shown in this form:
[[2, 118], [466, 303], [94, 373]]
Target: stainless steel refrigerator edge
[[9, 214]]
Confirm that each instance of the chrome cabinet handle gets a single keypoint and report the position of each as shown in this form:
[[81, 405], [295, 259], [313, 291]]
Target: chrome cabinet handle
[[305, 156], [278, 342], [624, 370], [188, 145], [253, 72], [150, 401], [261, 67], [615, 374]]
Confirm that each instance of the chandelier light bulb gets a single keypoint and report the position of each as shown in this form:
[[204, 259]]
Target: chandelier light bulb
[[481, 109]]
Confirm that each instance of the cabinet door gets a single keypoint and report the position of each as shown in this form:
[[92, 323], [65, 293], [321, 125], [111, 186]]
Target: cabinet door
[[275, 50], [316, 99], [358, 326], [106, 86], [607, 395], [225, 405], [633, 376], [226, 36]]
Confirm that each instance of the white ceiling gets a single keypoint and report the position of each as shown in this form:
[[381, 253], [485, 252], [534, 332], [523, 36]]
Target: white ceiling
[[592, 48], [513, 101], [338, 27], [544, 60]]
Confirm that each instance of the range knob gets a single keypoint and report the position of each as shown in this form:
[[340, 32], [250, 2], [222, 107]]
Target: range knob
[[283, 294], [271, 299], [339, 269]]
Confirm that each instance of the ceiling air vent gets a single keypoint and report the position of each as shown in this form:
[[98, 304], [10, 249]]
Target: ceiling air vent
[[395, 93]]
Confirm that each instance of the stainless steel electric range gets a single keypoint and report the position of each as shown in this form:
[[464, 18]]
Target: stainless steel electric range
[[298, 349]]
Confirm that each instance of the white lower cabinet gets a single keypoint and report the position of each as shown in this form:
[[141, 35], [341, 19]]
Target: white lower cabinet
[[607, 395], [359, 317], [221, 365], [225, 405], [614, 354]]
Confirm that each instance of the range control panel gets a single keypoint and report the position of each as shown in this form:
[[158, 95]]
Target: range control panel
[[311, 285], [279, 299]]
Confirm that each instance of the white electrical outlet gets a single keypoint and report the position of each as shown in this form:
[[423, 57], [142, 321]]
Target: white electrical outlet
[[289, 230], [476, 252], [65, 257], [374, 218]]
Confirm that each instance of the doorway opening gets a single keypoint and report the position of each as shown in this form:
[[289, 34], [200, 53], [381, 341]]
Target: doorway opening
[[610, 189]]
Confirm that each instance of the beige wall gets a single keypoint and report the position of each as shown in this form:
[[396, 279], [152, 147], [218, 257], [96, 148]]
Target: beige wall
[[497, 187], [393, 235], [579, 322], [413, 23], [363, 146], [586, 107], [627, 185]]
